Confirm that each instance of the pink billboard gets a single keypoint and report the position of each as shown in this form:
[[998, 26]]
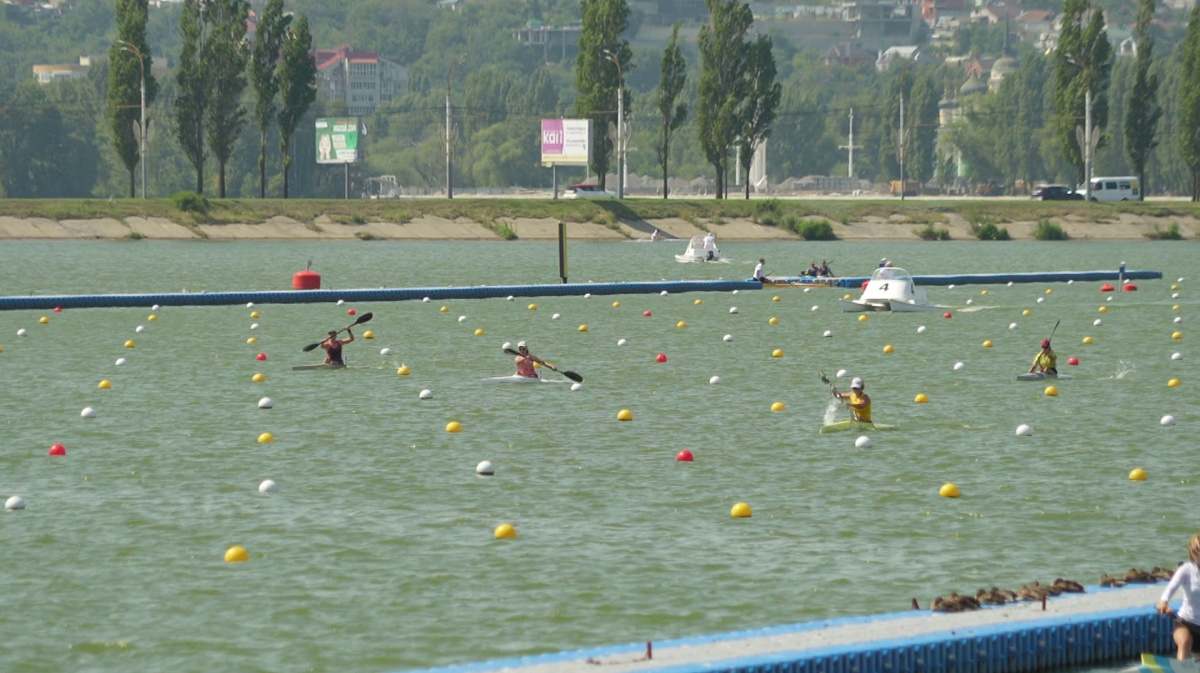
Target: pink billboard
[[565, 142]]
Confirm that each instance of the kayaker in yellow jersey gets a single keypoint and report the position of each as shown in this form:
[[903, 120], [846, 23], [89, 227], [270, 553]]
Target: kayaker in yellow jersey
[[859, 402], [1046, 361]]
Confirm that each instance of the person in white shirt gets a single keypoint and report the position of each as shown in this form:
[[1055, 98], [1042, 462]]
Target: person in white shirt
[[654, 236], [710, 241], [758, 271], [1186, 577]]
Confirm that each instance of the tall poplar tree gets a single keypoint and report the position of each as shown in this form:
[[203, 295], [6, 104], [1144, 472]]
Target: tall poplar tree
[[597, 78], [268, 43], [1189, 101], [225, 59], [760, 103], [297, 88], [125, 81], [672, 112], [1083, 62], [1143, 112], [922, 118], [722, 82], [193, 87]]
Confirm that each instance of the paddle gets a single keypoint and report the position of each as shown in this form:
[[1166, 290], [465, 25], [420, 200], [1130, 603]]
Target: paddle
[[1051, 337], [825, 380], [361, 319], [571, 375]]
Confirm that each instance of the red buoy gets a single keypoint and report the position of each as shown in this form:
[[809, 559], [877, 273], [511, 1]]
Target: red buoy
[[684, 456], [1129, 287], [306, 280], [58, 450], [1073, 361], [662, 357], [58, 309], [1107, 288], [260, 356], [947, 315], [350, 311], [647, 314], [865, 284]]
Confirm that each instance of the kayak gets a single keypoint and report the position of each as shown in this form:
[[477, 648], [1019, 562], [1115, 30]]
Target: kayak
[[518, 379], [1154, 663], [860, 426], [299, 368], [1038, 376]]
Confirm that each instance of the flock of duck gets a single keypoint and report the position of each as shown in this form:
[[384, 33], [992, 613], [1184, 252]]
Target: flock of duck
[[1035, 591]]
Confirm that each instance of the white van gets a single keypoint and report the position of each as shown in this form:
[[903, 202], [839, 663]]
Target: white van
[[1115, 189]]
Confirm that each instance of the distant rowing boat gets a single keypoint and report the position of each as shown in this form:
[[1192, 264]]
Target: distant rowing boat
[[514, 378], [299, 368], [842, 426]]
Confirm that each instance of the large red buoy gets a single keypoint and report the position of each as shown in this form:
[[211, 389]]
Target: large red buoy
[[1129, 287], [306, 279], [864, 285], [1107, 288]]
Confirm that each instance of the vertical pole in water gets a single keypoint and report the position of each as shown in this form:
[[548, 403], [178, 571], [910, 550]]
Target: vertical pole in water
[[562, 251], [1121, 274], [346, 169]]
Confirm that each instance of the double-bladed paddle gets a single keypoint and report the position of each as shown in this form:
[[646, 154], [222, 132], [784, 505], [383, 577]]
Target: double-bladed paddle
[[361, 319], [571, 375]]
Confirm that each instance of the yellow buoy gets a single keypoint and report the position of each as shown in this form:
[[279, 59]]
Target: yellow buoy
[[44, 320], [681, 324], [921, 398], [129, 344], [948, 490], [1174, 287], [266, 438], [616, 304], [778, 406], [1026, 312], [1173, 383], [258, 378], [862, 318], [236, 554], [254, 314], [402, 371], [624, 415], [453, 426], [444, 309], [1, 349], [888, 349], [1176, 335], [983, 292], [252, 340], [1051, 391], [1087, 340], [1137, 474], [775, 298], [773, 321], [368, 334], [1049, 290], [479, 332], [583, 328], [697, 302], [505, 531], [533, 307], [741, 511], [1104, 309], [777, 353], [105, 384], [987, 344], [152, 318], [1175, 307], [847, 296]]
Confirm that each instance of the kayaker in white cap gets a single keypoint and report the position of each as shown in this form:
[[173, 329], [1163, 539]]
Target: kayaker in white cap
[[525, 361], [859, 402]]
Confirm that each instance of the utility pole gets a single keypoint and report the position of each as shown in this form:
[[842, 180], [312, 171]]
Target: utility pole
[[1087, 152], [620, 123], [903, 147], [851, 147], [140, 128], [449, 157]]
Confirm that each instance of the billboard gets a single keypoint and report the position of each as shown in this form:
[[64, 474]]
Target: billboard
[[337, 140], [566, 142]]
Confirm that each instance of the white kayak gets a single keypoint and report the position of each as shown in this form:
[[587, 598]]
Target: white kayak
[[1039, 376], [299, 368], [861, 426], [519, 379]]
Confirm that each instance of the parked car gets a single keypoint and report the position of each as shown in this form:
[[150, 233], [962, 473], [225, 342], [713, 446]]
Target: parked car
[[1056, 193], [586, 191]]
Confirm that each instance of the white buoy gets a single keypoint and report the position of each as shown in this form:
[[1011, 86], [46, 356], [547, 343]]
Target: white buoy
[[268, 486], [1097, 322], [1108, 299], [970, 301], [842, 373], [715, 380], [1024, 430], [958, 366], [1178, 319], [733, 309], [1012, 325], [254, 325], [1176, 356], [921, 329], [249, 304], [1010, 283], [863, 442], [587, 295], [88, 412], [735, 291], [576, 386], [556, 316], [154, 308], [510, 297], [485, 468], [21, 332], [15, 502], [266, 403], [729, 337], [425, 300], [139, 329], [814, 308], [1041, 299], [621, 342], [1174, 295], [507, 346], [385, 351], [341, 301], [949, 287], [1071, 282], [462, 318], [807, 290], [1179, 280], [119, 362], [426, 395], [663, 293], [827, 333], [1167, 420]]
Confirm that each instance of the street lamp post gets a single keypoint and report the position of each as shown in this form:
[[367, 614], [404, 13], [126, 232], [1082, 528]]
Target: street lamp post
[[449, 161], [132, 48], [620, 124]]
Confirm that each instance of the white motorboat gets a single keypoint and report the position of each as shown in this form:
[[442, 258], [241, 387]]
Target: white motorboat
[[891, 289], [698, 252]]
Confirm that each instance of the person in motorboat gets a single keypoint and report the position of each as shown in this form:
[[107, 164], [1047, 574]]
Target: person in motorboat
[[824, 270], [1187, 622], [859, 402], [710, 242], [758, 271], [333, 347], [887, 267], [1046, 361], [525, 361]]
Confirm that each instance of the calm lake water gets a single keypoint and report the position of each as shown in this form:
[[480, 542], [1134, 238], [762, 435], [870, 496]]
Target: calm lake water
[[377, 552]]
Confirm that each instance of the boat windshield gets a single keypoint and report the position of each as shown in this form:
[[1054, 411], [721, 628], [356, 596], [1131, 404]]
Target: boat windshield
[[889, 273], [697, 242]]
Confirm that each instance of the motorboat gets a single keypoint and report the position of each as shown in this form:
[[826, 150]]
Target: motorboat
[[890, 289], [698, 252]]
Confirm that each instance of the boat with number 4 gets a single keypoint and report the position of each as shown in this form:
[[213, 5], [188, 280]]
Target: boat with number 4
[[515, 378], [1156, 663], [300, 368], [860, 426], [891, 289], [698, 252], [1040, 376]]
